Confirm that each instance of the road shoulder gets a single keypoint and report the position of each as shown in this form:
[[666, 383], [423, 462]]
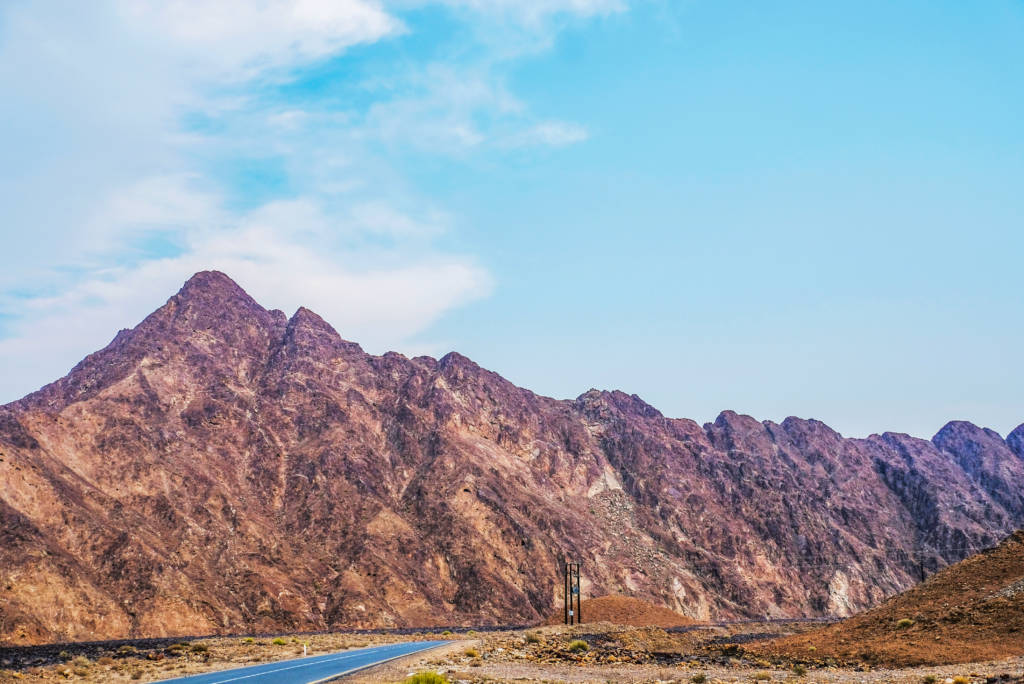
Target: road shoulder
[[398, 669]]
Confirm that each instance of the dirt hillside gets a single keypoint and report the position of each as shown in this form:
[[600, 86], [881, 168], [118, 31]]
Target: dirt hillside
[[625, 610], [971, 611]]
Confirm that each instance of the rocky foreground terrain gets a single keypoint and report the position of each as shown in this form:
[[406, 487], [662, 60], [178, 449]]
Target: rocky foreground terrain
[[970, 612], [223, 468]]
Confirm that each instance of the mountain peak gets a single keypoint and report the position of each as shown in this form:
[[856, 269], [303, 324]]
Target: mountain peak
[[213, 294], [306, 317], [1015, 440], [959, 434], [210, 282], [310, 323], [617, 399], [307, 330]]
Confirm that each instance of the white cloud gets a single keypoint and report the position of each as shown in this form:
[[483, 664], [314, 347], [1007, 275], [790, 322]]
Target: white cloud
[[379, 218], [532, 14], [513, 28], [549, 133], [284, 254], [450, 109], [158, 203], [239, 38], [111, 202], [534, 11]]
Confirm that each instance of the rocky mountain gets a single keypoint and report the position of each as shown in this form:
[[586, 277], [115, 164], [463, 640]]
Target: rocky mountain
[[224, 468]]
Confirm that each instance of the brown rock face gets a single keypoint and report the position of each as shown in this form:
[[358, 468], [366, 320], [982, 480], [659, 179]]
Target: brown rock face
[[222, 468], [624, 610]]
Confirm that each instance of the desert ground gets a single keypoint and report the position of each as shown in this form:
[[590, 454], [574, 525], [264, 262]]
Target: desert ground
[[610, 653]]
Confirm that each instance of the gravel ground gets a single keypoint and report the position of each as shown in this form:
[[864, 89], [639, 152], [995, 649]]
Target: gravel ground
[[616, 654], [1009, 671], [613, 654]]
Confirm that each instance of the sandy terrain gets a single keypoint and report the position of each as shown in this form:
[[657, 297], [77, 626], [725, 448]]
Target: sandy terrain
[[509, 657], [612, 654]]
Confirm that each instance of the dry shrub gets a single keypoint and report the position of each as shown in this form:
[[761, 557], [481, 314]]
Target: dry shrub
[[426, 678], [578, 646]]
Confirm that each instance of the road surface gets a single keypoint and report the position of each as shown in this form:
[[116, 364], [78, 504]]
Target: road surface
[[312, 668]]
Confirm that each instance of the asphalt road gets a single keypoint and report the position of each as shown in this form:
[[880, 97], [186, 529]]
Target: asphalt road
[[311, 669]]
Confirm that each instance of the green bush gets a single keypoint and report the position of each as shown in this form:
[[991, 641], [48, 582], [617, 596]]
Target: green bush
[[426, 678], [279, 642], [903, 623], [799, 670], [699, 678], [249, 640], [578, 646], [472, 653], [200, 648]]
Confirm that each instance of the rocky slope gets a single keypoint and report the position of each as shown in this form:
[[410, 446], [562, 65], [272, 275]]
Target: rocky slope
[[970, 612], [624, 610], [224, 468]]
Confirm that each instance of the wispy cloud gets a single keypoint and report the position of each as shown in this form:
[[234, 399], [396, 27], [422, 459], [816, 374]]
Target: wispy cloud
[[282, 253], [148, 140], [238, 39], [532, 12], [550, 133]]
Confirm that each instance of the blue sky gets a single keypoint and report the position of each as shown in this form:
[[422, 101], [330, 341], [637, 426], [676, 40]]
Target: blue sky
[[795, 208]]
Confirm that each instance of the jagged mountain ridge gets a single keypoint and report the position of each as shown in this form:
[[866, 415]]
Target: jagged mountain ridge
[[222, 467]]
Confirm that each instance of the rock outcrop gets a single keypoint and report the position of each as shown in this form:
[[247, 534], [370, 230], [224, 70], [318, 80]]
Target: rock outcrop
[[223, 468]]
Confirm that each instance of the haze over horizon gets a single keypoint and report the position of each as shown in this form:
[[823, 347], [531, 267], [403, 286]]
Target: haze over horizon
[[792, 210]]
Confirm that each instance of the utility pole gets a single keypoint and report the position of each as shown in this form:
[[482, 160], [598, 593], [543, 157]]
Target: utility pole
[[570, 591]]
